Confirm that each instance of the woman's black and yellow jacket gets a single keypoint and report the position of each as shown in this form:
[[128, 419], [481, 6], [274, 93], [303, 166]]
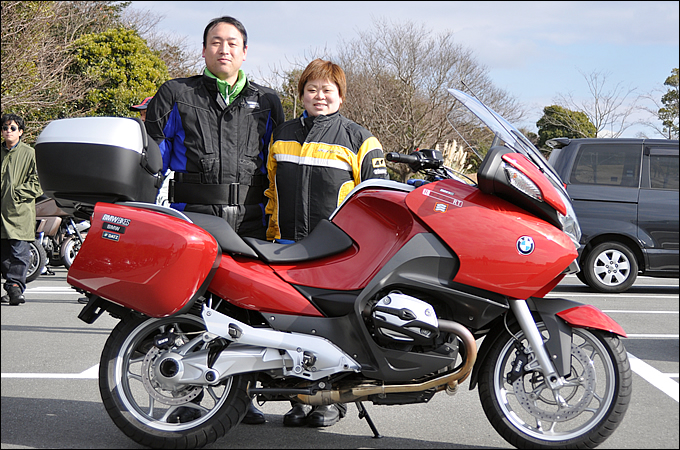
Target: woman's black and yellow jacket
[[314, 162]]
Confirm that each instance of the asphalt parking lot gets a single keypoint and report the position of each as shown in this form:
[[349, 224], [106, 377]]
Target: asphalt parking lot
[[50, 397]]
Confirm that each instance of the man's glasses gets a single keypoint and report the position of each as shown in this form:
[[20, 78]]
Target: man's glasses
[[7, 127]]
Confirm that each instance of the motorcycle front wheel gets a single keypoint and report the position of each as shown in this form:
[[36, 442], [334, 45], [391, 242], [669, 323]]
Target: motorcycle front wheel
[[151, 412], [524, 410], [69, 250], [37, 262]]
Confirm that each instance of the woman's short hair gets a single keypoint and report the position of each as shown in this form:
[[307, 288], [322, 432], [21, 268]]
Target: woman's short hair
[[320, 69]]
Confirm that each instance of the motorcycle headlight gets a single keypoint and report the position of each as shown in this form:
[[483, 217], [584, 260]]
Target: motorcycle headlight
[[521, 182], [569, 222]]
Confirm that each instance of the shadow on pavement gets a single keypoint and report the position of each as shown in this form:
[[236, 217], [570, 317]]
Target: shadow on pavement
[[52, 423]]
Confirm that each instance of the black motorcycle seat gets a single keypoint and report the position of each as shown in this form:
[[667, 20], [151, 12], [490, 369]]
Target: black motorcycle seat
[[326, 239], [224, 234]]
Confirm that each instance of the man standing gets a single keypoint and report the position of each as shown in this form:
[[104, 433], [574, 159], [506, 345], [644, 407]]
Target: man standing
[[214, 130], [141, 108], [20, 188]]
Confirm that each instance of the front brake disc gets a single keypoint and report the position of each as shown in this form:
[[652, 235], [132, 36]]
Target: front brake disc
[[538, 406]]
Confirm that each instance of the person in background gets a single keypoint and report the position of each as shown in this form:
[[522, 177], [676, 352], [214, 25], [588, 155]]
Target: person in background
[[162, 198], [141, 108], [314, 162], [213, 131], [20, 188]]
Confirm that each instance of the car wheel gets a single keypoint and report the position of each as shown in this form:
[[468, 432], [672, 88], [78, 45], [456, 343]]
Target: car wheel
[[581, 276], [610, 267]]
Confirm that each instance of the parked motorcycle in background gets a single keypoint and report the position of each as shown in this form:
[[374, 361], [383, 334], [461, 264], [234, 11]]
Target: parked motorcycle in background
[[58, 238], [405, 292]]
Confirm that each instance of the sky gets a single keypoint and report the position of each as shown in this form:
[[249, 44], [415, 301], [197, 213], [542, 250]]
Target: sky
[[534, 51]]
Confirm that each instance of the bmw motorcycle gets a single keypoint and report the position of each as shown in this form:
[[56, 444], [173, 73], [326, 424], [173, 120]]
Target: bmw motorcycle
[[58, 232], [406, 291]]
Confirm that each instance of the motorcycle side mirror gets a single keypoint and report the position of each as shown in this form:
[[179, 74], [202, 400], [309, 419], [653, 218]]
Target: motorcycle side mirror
[[432, 154]]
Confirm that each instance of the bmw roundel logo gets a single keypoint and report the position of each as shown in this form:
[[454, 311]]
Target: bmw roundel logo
[[525, 245]]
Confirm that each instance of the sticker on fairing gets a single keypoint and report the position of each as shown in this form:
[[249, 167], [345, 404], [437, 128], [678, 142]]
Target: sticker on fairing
[[111, 236], [444, 197], [113, 227], [116, 220]]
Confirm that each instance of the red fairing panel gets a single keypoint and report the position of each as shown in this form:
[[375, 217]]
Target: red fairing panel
[[588, 316], [379, 223], [501, 247], [141, 259], [253, 285]]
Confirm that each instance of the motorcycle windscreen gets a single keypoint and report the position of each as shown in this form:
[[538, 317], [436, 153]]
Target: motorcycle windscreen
[[145, 260]]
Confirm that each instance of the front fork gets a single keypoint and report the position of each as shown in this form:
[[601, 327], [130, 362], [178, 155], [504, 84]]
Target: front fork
[[550, 372]]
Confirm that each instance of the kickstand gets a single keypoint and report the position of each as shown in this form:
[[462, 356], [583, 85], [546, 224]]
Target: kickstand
[[363, 414]]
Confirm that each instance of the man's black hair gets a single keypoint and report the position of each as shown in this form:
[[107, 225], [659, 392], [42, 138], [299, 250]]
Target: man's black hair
[[231, 21], [6, 118]]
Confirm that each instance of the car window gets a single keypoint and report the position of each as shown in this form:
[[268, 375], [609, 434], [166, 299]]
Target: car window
[[608, 164], [663, 172]]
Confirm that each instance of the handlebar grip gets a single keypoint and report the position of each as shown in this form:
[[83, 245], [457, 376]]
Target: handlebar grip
[[401, 158]]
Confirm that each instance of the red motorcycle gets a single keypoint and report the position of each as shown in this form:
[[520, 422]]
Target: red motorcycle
[[384, 302]]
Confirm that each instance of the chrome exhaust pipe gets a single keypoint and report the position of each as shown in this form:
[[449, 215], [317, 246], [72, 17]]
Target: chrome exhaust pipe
[[448, 381]]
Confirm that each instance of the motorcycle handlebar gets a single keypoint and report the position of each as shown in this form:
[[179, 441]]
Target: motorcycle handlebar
[[402, 158], [417, 161]]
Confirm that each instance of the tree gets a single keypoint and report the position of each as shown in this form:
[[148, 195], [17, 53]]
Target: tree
[[37, 51], [397, 75], [125, 68], [288, 92], [670, 111], [607, 110], [174, 50], [561, 122]]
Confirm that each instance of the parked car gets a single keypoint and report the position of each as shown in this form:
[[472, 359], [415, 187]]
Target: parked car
[[625, 194]]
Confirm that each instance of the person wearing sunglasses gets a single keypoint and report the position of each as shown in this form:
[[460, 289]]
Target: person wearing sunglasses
[[20, 188]]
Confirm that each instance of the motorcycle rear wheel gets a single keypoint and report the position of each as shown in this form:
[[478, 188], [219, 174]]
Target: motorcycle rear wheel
[[525, 412], [145, 411]]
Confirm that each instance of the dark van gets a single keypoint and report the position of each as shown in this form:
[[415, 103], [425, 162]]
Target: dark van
[[625, 194]]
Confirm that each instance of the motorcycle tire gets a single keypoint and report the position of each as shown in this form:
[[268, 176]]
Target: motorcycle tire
[[69, 250], [610, 267], [155, 415], [524, 411], [53, 256], [38, 261]]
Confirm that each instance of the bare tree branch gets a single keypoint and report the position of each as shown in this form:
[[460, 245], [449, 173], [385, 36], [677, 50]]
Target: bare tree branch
[[608, 109]]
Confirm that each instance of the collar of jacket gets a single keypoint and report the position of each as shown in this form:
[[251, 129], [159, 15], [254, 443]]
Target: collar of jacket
[[4, 145], [229, 93], [308, 121]]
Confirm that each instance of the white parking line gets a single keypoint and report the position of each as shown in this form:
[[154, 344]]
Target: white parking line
[[657, 379], [51, 290], [610, 296], [91, 374], [661, 381], [654, 336]]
